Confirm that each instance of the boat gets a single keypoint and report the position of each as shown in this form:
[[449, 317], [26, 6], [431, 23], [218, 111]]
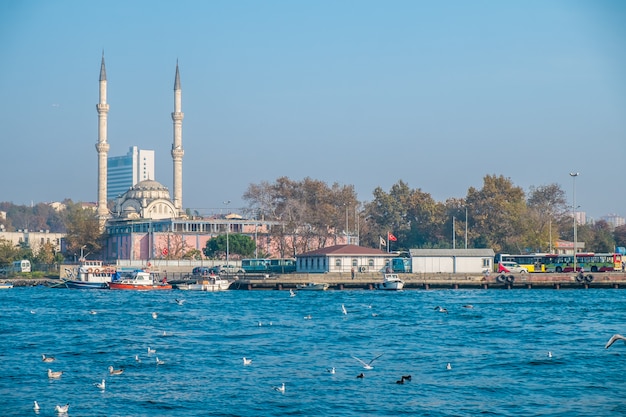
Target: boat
[[5, 285], [139, 280], [312, 286], [390, 282], [90, 274], [212, 283]]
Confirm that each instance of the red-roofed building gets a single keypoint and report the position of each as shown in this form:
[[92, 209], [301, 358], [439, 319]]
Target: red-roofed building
[[342, 258]]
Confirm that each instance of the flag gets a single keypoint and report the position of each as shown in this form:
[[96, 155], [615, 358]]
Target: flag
[[382, 241], [391, 237]]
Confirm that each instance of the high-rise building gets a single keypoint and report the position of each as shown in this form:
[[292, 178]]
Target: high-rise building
[[123, 172]]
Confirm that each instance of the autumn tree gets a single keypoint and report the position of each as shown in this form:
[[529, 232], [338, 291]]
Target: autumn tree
[[83, 230], [498, 211], [547, 208]]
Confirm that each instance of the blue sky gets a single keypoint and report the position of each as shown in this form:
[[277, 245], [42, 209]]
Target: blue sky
[[435, 93]]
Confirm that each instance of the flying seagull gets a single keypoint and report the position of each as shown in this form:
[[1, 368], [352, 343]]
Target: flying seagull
[[368, 365], [614, 338]]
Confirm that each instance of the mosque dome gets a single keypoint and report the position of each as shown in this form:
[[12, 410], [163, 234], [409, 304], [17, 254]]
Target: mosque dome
[[148, 189], [147, 199]]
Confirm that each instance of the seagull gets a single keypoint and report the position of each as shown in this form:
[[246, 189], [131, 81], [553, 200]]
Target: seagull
[[113, 371], [292, 293], [343, 309], [247, 361], [102, 385], [280, 389], [180, 302], [151, 351], [158, 361], [331, 370], [307, 317], [45, 358], [32, 311], [368, 365], [36, 406], [137, 358], [613, 339], [154, 315], [448, 366], [54, 375], [549, 354], [62, 409], [441, 309]]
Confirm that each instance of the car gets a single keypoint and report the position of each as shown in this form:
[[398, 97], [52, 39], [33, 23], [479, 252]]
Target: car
[[511, 267], [201, 270], [227, 269]]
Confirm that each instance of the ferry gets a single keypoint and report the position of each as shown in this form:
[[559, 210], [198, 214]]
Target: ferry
[[90, 274]]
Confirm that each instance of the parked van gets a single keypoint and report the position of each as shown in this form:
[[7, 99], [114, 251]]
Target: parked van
[[21, 266]]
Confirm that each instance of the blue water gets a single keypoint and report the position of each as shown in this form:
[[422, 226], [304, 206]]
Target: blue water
[[497, 350]]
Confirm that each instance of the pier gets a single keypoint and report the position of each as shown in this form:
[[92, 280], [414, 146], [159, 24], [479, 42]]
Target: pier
[[344, 281]]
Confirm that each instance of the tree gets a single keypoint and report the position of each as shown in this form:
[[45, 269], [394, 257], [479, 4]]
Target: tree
[[497, 212], [83, 230], [239, 245], [619, 234], [546, 206], [8, 252]]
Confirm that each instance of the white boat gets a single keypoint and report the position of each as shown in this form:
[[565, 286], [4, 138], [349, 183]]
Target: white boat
[[212, 284], [313, 286], [6, 285], [140, 280], [390, 282], [90, 275]]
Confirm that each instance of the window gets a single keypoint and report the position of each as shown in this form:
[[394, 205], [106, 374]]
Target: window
[[337, 262], [370, 262], [355, 262]]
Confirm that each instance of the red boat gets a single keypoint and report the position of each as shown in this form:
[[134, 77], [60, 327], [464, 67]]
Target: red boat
[[139, 280]]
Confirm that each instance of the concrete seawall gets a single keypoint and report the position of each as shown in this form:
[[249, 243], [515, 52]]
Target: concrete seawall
[[341, 281]]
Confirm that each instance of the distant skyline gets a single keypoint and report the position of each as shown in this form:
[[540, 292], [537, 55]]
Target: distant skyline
[[363, 93]]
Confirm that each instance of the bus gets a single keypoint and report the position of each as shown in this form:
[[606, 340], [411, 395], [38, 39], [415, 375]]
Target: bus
[[532, 263], [269, 265], [591, 262], [21, 266]]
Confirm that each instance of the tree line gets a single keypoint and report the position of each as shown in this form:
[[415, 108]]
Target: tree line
[[313, 214]]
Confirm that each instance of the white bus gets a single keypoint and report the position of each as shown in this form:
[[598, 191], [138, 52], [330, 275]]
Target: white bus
[[21, 266]]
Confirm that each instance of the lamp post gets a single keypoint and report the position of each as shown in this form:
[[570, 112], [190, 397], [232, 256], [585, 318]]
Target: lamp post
[[465, 227], [453, 234], [347, 235], [574, 175], [226, 203]]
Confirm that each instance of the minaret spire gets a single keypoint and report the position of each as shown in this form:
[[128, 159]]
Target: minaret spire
[[102, 147], [177, 145]]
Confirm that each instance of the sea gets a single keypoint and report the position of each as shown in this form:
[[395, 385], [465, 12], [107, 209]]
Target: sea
[[520, 352]]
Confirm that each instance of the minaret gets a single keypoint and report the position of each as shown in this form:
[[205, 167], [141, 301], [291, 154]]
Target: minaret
[[102, 146], [177, 146]]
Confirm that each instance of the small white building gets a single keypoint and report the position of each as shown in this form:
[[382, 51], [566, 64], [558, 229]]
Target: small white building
[[342, 258], [473, 261]]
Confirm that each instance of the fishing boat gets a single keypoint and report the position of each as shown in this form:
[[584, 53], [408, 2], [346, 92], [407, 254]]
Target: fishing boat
[[6, 285], [312, 286], [90, 274], [212, 283], [390, 282], [139, 280]]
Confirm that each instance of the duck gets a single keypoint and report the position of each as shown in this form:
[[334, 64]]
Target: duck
[[113, 371], [54, 374], [361, 375]]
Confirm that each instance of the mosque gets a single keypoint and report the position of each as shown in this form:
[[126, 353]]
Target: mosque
[[145, 222]]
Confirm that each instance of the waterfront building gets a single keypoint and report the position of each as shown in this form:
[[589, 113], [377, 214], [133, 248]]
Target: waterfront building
[[342, 258], [123, 172], [33, 239], [452, 261]]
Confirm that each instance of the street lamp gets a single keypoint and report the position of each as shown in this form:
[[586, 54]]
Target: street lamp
[[574, 175], [82, 258], [226, 203], [465, 227]]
